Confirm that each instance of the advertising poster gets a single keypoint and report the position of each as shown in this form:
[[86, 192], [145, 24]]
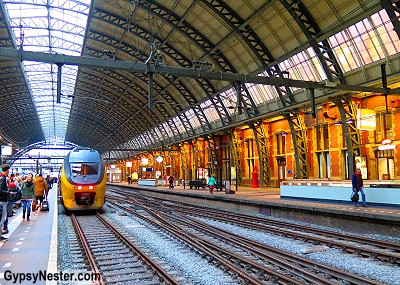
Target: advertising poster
[[361, 162], [200, 173]]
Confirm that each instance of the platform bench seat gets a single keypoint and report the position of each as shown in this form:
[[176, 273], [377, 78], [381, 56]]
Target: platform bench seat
[[197, 184], [218, 186]]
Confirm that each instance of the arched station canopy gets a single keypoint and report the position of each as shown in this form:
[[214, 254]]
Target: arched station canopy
[[339, 45]]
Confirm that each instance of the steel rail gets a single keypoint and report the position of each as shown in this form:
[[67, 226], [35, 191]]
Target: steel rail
[[294, 266], [155, 267], [260, 249], [343, 244], [87, 250], [173, 207], [260, 223], [215, 254]]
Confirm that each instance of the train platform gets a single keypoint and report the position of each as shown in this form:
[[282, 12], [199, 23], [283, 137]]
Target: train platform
[[267, 200], [31, 249]]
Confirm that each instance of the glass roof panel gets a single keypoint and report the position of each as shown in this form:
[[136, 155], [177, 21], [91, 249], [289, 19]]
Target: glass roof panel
[[52, 27]]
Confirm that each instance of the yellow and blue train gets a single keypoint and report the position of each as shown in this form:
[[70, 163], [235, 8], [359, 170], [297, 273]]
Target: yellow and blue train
[[82, 180]]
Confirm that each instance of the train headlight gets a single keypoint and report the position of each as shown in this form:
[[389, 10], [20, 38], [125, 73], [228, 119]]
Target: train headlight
[[91, 187], [80, 187]]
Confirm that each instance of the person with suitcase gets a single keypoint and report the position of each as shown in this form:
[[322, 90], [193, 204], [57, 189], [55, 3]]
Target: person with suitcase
[[41, 188]]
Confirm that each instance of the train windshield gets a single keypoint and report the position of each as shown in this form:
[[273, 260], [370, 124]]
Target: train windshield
[[84, 169]]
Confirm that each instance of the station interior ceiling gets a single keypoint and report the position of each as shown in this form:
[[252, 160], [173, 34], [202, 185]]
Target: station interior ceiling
[[125, 77]]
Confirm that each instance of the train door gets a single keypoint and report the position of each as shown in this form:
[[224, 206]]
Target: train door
[[281, 169]]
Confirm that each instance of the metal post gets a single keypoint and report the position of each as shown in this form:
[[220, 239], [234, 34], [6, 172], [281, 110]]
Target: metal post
[[59, 65], [237, 176]]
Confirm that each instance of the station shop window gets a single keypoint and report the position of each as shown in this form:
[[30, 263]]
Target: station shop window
[[322, 137], [280, 144], [385, 163], [324, 164], [249, 151], [345, 156], [384, 127]]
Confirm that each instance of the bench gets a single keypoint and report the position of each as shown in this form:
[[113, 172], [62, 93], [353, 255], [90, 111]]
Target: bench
[[197, 184], [202, 183], [218, 186]]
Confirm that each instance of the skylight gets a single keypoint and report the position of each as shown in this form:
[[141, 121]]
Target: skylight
[[50, 27]]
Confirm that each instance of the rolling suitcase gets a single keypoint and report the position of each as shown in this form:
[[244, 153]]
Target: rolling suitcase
[[45, 207]]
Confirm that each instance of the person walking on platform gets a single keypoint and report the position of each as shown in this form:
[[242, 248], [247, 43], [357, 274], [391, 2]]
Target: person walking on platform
[[49, 182], [28, 194], [41, 189], [171, 180], [129, 180], [18, 179], [211, 183], [4, 192], [358, 186]]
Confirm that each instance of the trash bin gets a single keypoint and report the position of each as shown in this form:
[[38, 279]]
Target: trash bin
[[228, 187]]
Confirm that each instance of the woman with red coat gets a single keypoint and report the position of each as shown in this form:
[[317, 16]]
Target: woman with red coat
[[358, 186]]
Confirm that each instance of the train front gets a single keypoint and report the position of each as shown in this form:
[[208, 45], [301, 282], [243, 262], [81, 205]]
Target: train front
[[83, 180]]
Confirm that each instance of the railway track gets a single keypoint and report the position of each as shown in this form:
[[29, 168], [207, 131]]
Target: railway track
[[255, 264], [384, 251], [114, 259]]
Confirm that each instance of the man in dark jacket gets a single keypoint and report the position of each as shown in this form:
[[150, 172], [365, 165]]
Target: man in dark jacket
[[3, 196]]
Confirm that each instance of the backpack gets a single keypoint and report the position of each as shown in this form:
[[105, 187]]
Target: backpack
[[17, 193], [15, 197]]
